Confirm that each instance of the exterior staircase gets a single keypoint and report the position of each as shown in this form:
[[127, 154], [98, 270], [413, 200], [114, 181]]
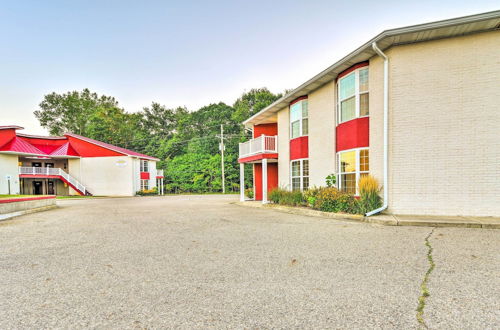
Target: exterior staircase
[[54, 173]]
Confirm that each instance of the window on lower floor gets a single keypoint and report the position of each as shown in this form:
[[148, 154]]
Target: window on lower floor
[[353, 164], [144, 185], [300, 174]]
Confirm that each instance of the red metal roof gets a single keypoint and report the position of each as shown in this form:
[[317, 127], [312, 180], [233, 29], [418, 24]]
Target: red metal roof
[[111, 147], [65, 150], [53, 146], [19, 145]]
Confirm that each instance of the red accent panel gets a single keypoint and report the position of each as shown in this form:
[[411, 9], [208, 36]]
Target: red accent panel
[[265, 129], [300, 98], [144, 175], [23, 199], [299, 148], [272, 179], [353, 134], [87, 149], [45, 145], [352, 68], [257, 157], [6, 135]]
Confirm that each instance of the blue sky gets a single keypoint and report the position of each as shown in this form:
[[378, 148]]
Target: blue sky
[[185, 53]]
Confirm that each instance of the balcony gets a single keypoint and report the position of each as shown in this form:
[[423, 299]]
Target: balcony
[[259, 146], [53, 172]]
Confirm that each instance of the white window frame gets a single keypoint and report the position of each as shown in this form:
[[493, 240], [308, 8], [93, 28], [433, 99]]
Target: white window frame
[[358, 171], [144, 184], [301, 173], [300, 120], [357, 94], [144, 166]]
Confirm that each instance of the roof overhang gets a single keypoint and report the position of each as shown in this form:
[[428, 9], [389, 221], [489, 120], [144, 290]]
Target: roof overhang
[[407, 35], [15, 127]]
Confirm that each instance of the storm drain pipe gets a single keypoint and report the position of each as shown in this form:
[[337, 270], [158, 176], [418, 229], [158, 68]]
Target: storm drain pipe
[[386, 131]]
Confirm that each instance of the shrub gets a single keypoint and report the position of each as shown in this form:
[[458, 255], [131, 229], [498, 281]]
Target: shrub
[[330, 199], [369, 198], [285, 197], [249, 192], [147, 192], [311, 195]]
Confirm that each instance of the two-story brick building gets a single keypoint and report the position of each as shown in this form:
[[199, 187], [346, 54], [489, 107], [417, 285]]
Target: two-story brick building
[[416, 107], [72, 165]]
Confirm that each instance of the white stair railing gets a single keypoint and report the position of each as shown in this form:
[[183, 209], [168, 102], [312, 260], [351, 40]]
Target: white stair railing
[[261, 144], [53, 171]]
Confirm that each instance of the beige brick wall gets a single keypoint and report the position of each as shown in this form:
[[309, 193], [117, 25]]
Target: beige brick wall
[[321, 134], [444, 126], [284, 148]]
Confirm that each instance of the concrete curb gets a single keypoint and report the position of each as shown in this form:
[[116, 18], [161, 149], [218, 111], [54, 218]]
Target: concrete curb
[[384, 219], [11, 215]]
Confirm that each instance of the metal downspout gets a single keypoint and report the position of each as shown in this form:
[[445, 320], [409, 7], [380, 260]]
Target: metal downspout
[[386, 131]]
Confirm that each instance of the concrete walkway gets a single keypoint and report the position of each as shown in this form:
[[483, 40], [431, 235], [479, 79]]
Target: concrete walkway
[[387, 219]]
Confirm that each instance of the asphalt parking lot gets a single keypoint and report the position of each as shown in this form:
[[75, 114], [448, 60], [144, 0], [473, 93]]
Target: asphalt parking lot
[[202, 262]]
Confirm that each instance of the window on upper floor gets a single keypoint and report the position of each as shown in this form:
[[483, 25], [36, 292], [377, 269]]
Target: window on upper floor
[[300, 174], [299, 122], [144, 165], [353, 164], [353, 95]]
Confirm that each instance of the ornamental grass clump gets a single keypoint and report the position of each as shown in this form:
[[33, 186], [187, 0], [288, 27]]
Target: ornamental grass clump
[[285, 197], [330, 199], [369, 198]]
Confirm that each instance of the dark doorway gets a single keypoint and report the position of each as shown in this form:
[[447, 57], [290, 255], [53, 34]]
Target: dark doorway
[[37, 188], [49, 165], [50, 188], [37, 164]]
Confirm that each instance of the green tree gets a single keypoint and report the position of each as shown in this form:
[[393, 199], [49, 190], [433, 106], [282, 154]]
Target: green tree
[[251, 102], [72, 112]]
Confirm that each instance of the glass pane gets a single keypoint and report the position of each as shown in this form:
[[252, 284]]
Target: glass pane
[[296, 168], [363, 80], [363, 105], [364, 161], [348, 161], [305, 168], [295, 183], [305, 126], [348, 109], [348, 183], [304, 109], [305, 183], [347, 86], [295, 129], [295, 111]]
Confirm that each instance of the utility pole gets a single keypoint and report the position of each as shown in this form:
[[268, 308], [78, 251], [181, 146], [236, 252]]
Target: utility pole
[[221, 146]]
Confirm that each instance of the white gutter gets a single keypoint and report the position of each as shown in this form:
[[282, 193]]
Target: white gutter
[[386, 130]]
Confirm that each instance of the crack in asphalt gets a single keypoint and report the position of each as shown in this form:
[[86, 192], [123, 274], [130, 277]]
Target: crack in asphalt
[[423, 287]]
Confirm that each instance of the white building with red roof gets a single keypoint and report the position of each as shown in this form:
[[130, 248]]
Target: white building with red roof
[[72, 165]]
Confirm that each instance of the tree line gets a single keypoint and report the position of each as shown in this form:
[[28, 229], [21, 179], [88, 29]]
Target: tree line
[[186, 142]]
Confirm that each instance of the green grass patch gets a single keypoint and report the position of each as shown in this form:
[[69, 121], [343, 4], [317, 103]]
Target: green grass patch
[[18, 196]]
